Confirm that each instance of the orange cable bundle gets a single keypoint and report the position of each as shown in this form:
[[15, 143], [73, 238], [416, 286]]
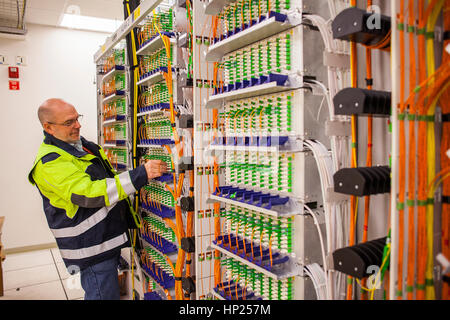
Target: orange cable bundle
[[190, 224], [402, 153], [412, 153], [353, 202], [179, 227], [369, 148], [445, 161], [217, 228], [422, 157]]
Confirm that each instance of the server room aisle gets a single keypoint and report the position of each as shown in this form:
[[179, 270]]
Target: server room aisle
[[39, 275]]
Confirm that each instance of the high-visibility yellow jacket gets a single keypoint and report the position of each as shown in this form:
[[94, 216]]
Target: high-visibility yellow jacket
[[85, 201]]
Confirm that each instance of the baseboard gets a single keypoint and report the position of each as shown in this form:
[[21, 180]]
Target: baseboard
[[31, 248]]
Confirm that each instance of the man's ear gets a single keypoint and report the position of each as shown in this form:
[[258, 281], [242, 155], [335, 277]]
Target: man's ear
[[48, 128]]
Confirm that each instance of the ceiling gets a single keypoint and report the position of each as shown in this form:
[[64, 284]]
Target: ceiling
[[49, 12]]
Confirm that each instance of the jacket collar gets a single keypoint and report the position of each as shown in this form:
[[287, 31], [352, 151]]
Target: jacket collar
[[52, 140], [91, 146]]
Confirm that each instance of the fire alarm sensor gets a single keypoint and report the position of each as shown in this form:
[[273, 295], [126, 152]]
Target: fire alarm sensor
[[13, 72], [14, 85]]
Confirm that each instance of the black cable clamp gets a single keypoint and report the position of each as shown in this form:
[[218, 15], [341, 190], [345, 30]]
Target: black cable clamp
[[188, 285], [446, 199], [187, 204], [134, 67], [446, 117], [369, 82], [188, 244], [446, 35]]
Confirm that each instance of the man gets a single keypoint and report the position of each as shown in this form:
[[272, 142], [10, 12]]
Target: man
[[85, 202]]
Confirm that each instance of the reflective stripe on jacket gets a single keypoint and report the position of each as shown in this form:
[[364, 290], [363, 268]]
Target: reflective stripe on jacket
[[85, 201]]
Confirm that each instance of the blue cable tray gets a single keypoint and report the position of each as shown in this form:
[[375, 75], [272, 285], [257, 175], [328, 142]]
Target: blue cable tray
[[166, 248], [280, 79], [258, 257], [165, 211], [148, 74], [167, 177], [158, 106], [152, 296], [165, 33], [156, 141], [255, 198], [264, 141], [167, 281], [229, 288]]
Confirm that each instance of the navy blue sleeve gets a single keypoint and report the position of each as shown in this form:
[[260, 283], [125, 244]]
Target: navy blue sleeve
[[139, 177]]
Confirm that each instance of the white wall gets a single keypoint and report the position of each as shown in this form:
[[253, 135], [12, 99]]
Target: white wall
[[59, 64]]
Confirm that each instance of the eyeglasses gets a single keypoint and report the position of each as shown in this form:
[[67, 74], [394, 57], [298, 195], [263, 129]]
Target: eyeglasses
[[69, 123]]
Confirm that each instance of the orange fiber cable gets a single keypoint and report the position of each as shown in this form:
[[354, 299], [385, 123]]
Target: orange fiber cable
[[442, 75], [217, 228], [422, 158], [412, 153], [353, 207], [444, 160], [402, 154], [369, 151]]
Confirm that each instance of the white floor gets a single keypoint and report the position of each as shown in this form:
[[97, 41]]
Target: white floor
[[39, 275]]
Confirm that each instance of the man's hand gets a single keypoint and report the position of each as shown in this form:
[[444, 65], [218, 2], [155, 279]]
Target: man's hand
[[155, 168]]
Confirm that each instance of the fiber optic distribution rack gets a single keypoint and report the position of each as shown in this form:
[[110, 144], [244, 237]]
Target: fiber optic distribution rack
[[163, 75], [114, 123], [256, 102], [114, 133], [282, 123]]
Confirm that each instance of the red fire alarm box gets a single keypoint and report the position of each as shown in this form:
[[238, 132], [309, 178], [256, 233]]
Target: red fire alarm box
[[13, 72], [14, 85]]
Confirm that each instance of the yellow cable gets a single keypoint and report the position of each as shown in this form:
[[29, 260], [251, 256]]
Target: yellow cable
[[433, 189], [132, 263], [132, 243], [375, 284], [136, 217], [379, 271]]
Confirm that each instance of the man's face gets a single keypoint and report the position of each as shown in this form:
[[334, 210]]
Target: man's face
[[64, 124]]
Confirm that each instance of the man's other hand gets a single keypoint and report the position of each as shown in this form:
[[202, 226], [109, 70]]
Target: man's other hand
[[155, 168]]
